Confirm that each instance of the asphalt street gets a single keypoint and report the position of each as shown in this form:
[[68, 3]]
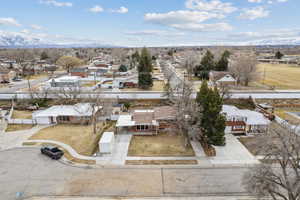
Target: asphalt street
[[24, 172]]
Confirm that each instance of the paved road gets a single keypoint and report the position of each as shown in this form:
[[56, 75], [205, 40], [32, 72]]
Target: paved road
[[26, 171]]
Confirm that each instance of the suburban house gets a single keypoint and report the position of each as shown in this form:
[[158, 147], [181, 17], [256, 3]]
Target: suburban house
[[147, 121], [65, 81], [81, 72], [244, 121], [6, 76], [222, 78], [80, 113]]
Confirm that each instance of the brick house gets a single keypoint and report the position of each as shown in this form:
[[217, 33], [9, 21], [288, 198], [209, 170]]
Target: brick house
[[148, 121]]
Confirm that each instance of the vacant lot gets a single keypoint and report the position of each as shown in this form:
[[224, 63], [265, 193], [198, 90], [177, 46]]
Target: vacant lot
[[281, 76], [80, 137], [18, 127], [160, 145], [22, 114]]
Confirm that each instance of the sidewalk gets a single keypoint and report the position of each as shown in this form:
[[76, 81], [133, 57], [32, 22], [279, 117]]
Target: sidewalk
[[15, 139]]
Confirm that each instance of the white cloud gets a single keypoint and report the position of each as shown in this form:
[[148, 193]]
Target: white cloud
[[255, 1], [9, 21], [154, 33], [121, 10], [56, 3], [25, 31], [282, 1], [203, 27], [254, 13], [36, 27], [181, 17], [96, 9], [211, 6]]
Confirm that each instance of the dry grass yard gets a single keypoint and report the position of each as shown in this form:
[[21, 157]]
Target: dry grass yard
[[37, 76], [89, 84], [161, 162], [159, 145], [283, 114], [79, 137], [157, 86], [281, 76], [18, 127], [22, 114]]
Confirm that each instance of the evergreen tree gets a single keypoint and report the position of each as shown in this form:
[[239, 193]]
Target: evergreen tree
[[122, 68], [145, 70], [44, 56], [278, 55], [222, 64], [212, 121], [207, 64]]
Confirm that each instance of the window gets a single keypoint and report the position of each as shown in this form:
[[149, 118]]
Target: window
[[64, 118]]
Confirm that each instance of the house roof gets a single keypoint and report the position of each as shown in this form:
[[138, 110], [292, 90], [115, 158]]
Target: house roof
[[252, 117], [125, 120], [227, 78], [80, 109], [217, 75], [164, 113]]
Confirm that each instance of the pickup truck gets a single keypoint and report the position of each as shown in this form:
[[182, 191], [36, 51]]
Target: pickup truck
[[53, 152]]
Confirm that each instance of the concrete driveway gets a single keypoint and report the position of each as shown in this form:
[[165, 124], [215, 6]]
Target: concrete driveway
[[26, 171], [234, 153]]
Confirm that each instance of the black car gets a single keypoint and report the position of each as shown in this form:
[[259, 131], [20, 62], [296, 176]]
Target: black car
[[53, 152]]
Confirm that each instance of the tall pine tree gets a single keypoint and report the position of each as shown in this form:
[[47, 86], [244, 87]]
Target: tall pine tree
[[207, 64], [222, 64], [212, 121], [145, 70]]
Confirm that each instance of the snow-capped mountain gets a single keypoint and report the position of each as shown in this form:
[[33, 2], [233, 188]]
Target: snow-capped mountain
[[12, 40]]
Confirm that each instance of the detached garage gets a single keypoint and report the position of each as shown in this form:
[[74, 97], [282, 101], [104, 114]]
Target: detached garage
[[106, 143]]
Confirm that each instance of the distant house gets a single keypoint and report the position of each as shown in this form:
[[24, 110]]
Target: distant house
[[7, 76], [80, 113], [147, 121], [50, 68], [81, 72], [222, 78], [65, 81], [244, 121]]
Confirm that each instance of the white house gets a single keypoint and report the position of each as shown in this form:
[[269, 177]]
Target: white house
[[240, 121], [74, 114]]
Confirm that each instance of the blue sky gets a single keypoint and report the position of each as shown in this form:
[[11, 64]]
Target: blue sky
[[153, 22]]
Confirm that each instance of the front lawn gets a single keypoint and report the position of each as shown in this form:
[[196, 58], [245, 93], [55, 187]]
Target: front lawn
[[79, 137], [21, 114], [18, 127], [161, 145]]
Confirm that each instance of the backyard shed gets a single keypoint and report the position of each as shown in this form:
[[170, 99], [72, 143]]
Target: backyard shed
[[106, 143]]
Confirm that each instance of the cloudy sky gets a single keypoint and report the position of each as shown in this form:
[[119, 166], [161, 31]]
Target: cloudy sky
[[153, 22]]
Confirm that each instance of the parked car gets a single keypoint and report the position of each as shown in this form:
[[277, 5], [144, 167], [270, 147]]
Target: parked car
[[53, 152], [16, 79]]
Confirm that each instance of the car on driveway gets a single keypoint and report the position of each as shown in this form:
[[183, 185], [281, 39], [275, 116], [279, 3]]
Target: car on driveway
[[53, 152]]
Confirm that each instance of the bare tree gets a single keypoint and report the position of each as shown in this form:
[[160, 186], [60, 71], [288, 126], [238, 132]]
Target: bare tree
[[244, 69], [69, 62], [187, 115], [279, 179]]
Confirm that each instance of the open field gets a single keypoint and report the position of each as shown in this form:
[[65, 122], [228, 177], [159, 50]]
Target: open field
[[157, 86], [159, 145], [22, 114], [79, 137], [18, 127], [280, 76]]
